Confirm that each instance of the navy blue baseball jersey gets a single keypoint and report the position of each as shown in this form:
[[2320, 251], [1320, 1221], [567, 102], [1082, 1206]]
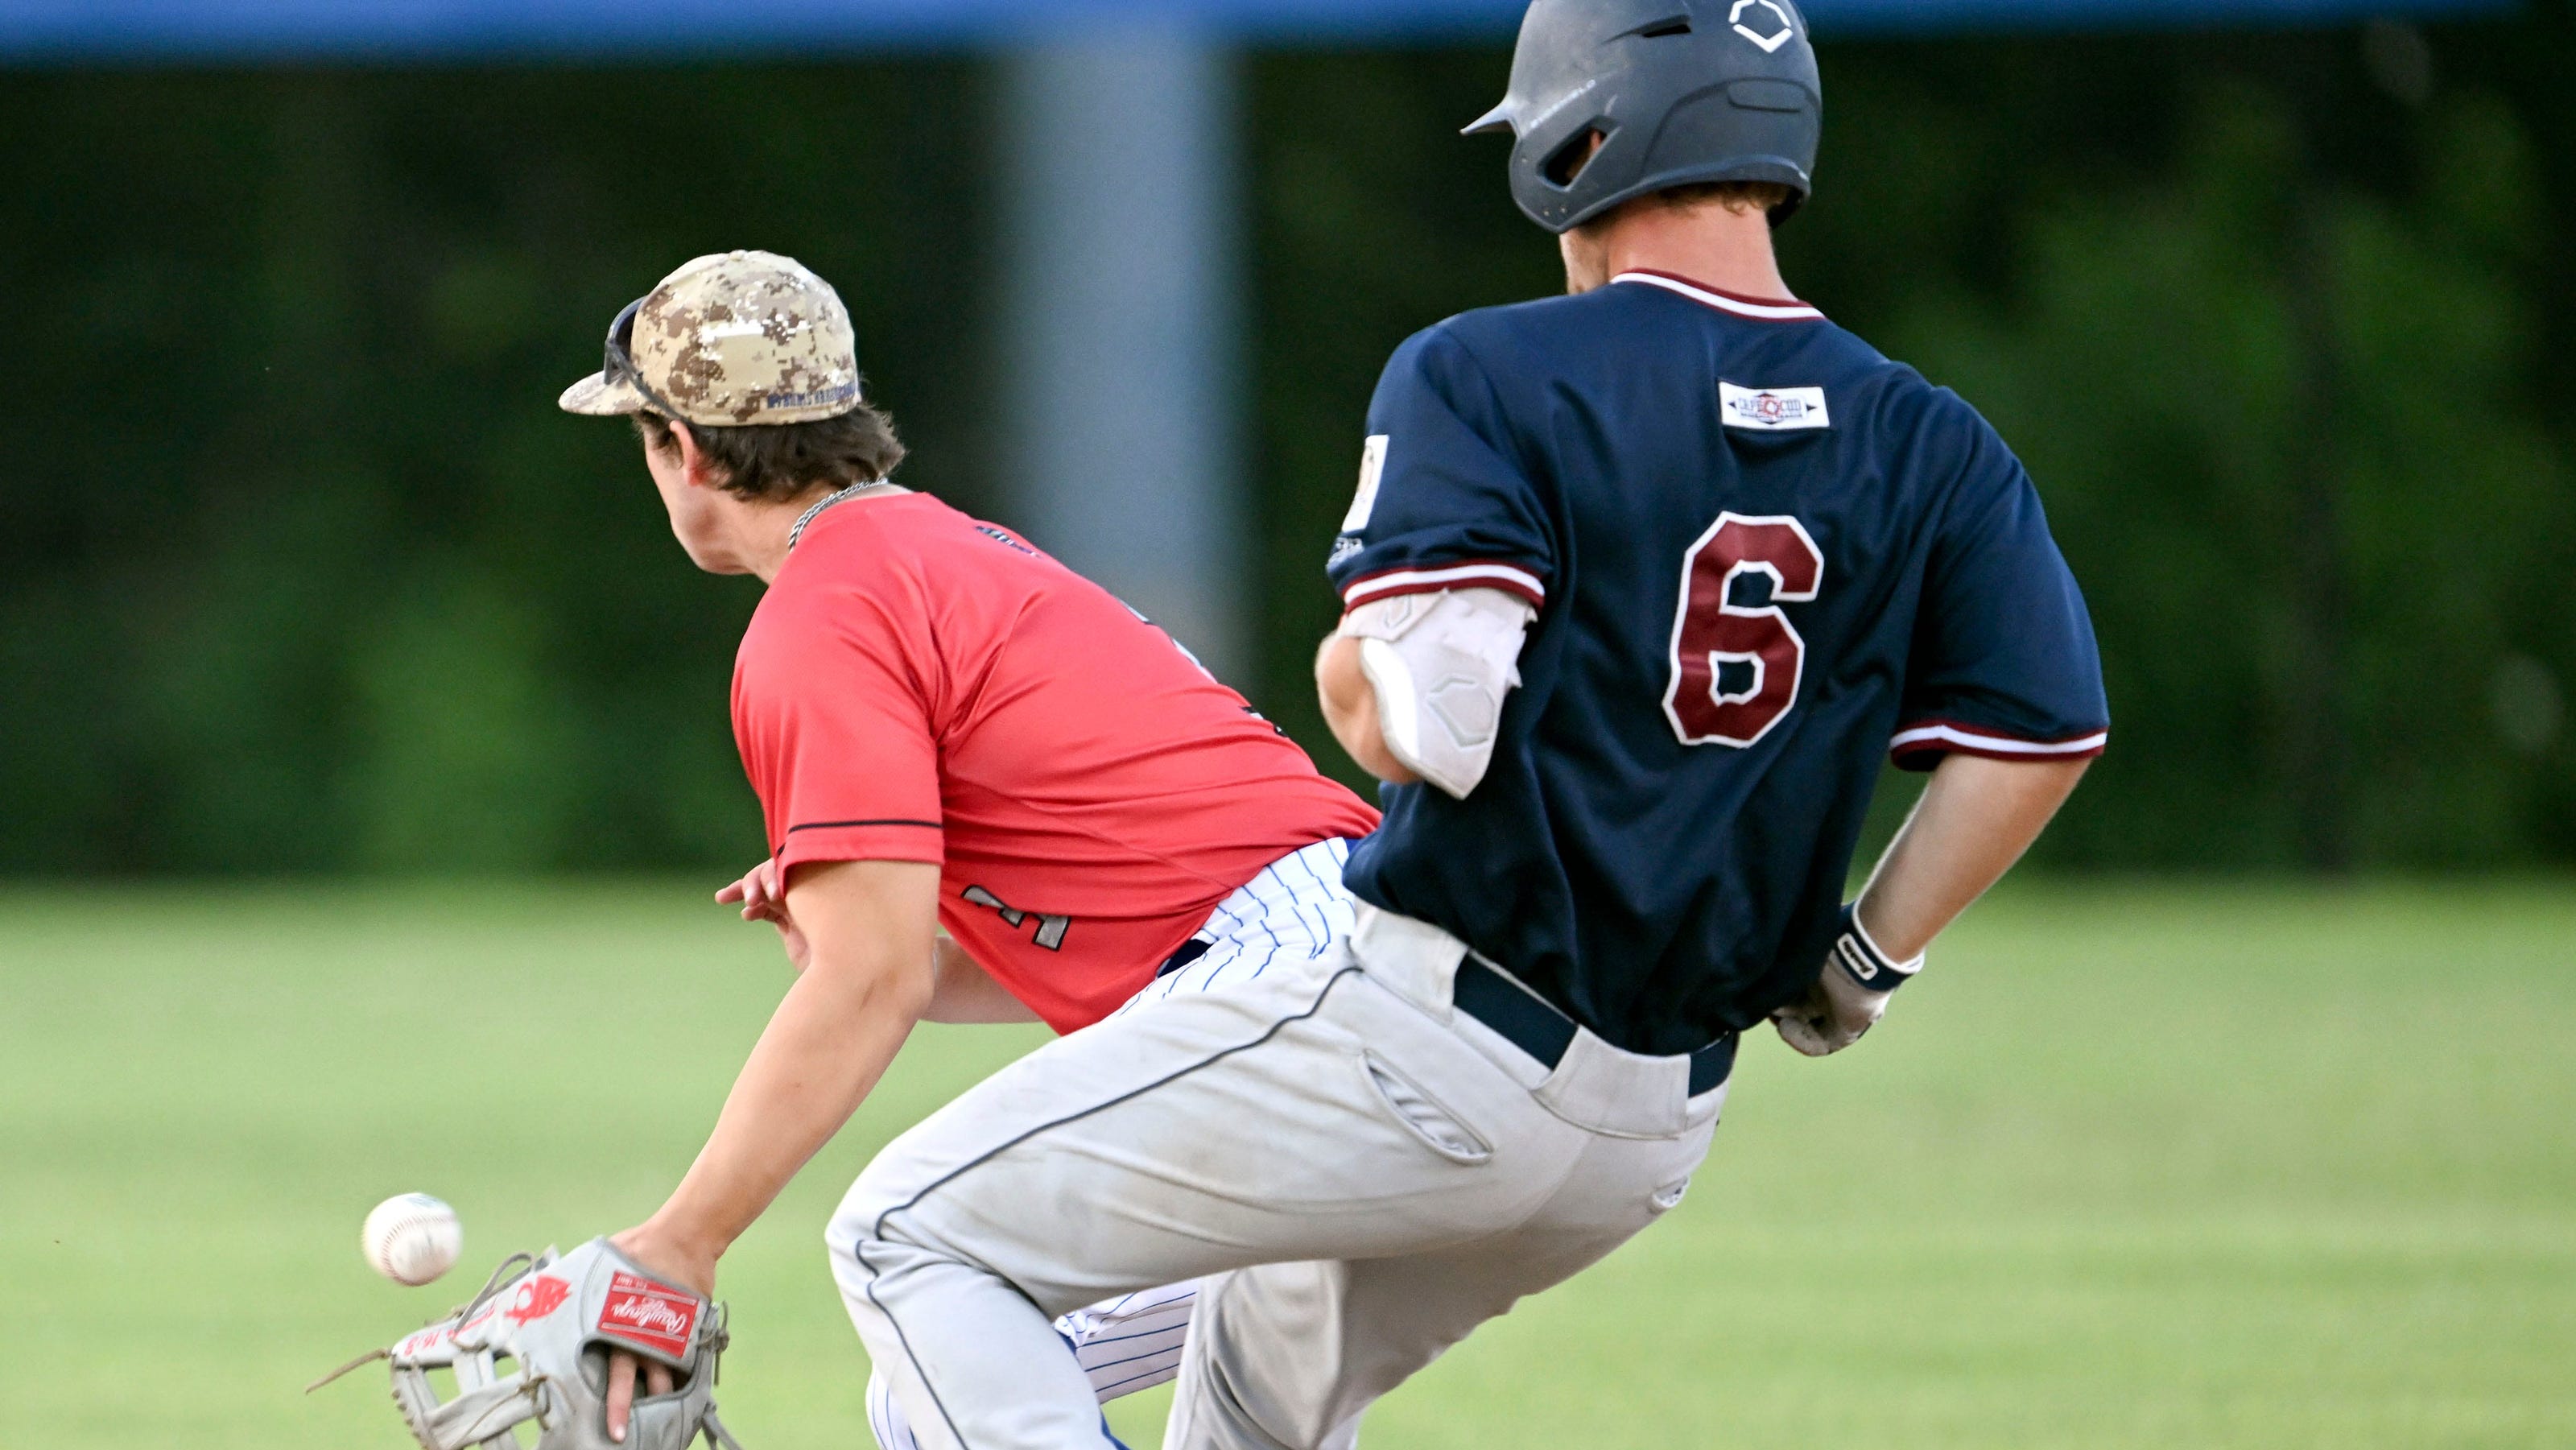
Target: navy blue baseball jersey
[[1761, 554]]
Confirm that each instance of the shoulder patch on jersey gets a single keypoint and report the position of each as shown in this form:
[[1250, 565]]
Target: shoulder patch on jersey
[[1772, 410], [1372, 466]]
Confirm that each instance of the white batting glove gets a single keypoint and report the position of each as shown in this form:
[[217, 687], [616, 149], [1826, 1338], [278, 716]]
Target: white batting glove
[[1850, 993]]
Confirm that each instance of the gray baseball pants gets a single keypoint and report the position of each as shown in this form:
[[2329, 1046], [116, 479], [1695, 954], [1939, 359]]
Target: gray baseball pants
[[1366, 1173]]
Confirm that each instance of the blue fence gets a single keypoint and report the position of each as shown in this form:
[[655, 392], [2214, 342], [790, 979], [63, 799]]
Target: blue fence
[[78, 30]]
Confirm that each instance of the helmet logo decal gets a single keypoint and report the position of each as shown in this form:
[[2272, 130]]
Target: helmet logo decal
[[1769, 43]]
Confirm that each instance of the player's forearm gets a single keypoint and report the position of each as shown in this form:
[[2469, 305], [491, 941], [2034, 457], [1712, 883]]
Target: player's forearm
[[1350, 709], [830, 1040], [823, 1051], [1975, 819]]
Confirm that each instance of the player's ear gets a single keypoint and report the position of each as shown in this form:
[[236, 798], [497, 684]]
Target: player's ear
[[695, 466]]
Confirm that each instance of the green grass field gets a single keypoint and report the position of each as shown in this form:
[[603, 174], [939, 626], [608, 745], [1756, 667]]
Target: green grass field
[[2134, 1166]]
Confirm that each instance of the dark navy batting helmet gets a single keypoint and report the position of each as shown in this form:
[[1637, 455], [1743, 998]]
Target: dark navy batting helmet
[[1680, 92]]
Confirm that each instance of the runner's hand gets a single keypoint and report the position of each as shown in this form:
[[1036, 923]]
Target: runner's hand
[[1848, 996]]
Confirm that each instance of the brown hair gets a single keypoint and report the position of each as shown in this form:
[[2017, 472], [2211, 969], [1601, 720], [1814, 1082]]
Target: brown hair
[[1735, 196], [777, 461], [1767, 197], [1741, 197]]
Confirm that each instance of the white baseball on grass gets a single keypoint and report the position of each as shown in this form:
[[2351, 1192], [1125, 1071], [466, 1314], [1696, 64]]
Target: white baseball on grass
[[412, 1238]]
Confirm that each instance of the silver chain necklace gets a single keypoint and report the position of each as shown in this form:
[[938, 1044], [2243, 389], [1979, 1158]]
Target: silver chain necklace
[[797, 530]]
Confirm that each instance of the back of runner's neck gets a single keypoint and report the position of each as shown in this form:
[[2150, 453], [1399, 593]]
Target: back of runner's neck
[[1721, 250]]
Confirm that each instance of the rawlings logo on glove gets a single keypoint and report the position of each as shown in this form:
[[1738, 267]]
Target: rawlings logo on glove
[[648, 1315]]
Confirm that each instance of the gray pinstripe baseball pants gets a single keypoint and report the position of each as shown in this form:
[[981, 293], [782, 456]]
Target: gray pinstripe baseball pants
[[1295, 910], [1366, 1174]]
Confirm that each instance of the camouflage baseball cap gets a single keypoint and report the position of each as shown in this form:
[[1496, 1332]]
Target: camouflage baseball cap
[[730, 339]]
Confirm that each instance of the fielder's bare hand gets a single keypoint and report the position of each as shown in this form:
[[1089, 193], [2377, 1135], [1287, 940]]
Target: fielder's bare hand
[[764, 899]]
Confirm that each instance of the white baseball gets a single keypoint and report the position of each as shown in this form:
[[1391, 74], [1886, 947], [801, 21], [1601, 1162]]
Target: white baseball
[[412, 1238]]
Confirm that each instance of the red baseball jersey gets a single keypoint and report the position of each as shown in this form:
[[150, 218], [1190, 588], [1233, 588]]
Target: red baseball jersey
[[919, 686]]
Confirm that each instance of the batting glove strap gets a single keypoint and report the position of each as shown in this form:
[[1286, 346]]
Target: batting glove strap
[[1869, 968]]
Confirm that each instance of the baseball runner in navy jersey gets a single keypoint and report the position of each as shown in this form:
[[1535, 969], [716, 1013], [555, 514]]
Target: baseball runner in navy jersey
[[1639, 584], [1638, 581], [1752, 554]]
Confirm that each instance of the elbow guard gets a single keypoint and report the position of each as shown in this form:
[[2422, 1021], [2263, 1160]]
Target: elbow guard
[[1440, 665]]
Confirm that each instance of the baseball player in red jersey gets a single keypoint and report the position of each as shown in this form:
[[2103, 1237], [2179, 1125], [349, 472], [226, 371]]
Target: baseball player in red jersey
[[946, 728]]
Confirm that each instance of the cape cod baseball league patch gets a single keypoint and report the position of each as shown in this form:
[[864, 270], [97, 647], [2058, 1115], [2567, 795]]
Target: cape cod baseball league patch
[[1772, 410], [648, 1315]]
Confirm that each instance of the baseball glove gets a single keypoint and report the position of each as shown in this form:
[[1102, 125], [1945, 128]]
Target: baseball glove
[[534, 1346]]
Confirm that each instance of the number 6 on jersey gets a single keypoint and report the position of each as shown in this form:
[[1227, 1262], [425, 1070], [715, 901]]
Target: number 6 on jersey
[[1711, 630]]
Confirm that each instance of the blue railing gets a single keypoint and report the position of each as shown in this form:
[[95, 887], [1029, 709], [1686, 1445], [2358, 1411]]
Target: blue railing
[[75, 30]]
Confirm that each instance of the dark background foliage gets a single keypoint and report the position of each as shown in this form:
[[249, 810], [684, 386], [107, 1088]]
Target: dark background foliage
[[303, 572]]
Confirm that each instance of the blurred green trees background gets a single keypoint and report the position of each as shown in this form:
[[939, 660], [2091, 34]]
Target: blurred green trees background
[[302, 571]]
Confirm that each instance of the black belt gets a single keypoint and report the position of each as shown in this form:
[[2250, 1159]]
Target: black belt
[[1537, 1028], [1182, 955]]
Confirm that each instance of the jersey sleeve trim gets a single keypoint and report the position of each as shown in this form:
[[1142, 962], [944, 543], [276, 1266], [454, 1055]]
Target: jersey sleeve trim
[[894, 840], [1473, 574], [1945, 737]]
